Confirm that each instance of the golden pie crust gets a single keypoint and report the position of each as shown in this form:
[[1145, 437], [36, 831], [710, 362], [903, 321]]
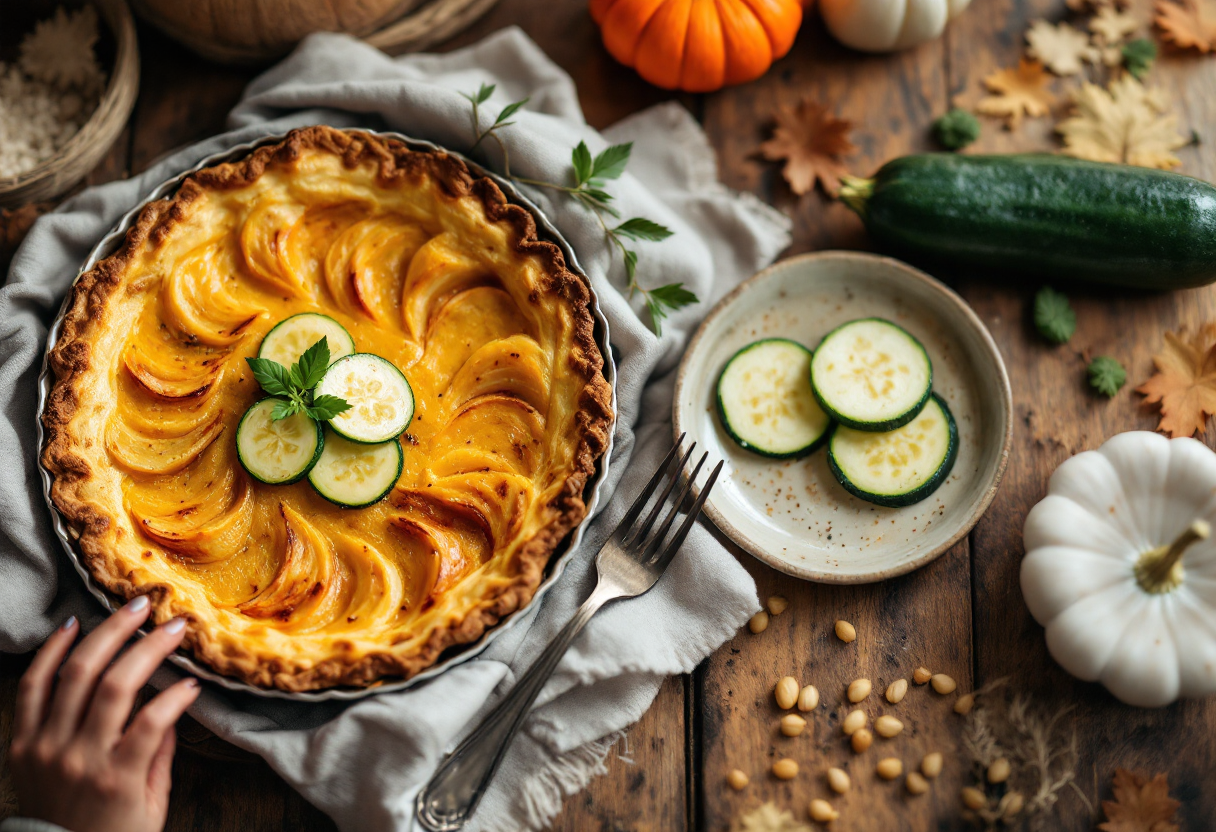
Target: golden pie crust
[[425, 265]]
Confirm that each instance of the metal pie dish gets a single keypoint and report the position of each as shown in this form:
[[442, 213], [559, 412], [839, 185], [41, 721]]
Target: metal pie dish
[[545, 230]]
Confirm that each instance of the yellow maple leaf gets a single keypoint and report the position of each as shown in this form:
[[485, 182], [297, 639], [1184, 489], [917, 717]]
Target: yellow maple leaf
[[1125, 124], [811, 140], [1141, 804], [1185, 382], [1112, 26], [1060, 47], [1019, 92], [1188, 24]]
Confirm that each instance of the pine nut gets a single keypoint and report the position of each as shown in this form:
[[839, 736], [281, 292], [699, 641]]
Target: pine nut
[[859, 689], [943, 684], [1011, 805], [931, 766], [861, 740], [758, 623], [785, 769], [778, 604], [921, 675], [838, 780], [916, 783], [888, 726], [737, 780], [855, 721], [786, 692], [974, 799], [808, 698], [822, 811], [896, 691], [889, 768], [792, 725], [845, 631], [999, 771], [964, 704]]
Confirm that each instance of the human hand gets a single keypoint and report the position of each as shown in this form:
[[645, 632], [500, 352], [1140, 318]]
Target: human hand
[[73, 763]]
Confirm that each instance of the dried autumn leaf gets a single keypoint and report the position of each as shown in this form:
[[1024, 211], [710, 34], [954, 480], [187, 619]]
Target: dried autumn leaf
[[768, 818], [1125, 124], [1021, 91], [1185, 382], [1140, 804], [1060, 47], [1113, 27], [1188, 24], [811, 140], [1085, 6]]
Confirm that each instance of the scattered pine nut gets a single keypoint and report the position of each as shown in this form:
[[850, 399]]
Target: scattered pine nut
[[845, 631], [777, 604], [808, 698], [921, 675], [758, 623], [888, 726], [999, 771], [889, 768], [931, 766], [964, 704], [786, 692], [822, 811], [1011, 805], [792, 725], [861, 740], [896, 691], [855, 721], [916, 783], [838, 780], [737, 780], [974, 799], [943, 684], [859, 689], [785, 769]]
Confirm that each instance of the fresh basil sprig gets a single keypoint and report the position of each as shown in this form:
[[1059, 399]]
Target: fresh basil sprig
[[295, 384]]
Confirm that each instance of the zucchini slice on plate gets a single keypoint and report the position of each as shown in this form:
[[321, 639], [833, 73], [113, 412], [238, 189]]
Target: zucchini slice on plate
[[870, 374], [289, 338], [277, 452], [765, 400], [355, 474], [899, 467], [381, 400]]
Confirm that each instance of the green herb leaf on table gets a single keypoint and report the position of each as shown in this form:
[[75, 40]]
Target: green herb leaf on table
[[1138, 57], [639, 228], [1053, 316], [956, 129], [1106, 375], [667, 298], [610, 163], [294, 385]]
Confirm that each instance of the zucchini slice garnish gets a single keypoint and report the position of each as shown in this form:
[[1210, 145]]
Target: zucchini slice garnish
[[356, 474], [381, 400], [277, 452], [289, 338]]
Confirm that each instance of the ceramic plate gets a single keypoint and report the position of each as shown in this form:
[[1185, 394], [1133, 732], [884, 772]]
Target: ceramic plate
[[792, 514]]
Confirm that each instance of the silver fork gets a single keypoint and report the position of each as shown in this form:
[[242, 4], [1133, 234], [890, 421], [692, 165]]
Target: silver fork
[[630, 562]]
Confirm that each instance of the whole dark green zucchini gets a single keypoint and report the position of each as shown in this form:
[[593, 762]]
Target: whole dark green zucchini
[[1043, 217]]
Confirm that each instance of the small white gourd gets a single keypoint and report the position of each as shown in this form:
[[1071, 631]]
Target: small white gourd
[[888, 25], [1120, 569]]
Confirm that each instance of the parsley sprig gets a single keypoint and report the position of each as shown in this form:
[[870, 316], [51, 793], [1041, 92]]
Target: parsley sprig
[[1054, 317], [591, 175], [295, 385]]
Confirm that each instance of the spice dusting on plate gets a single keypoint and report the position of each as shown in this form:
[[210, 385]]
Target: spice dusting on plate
[[52, 89]]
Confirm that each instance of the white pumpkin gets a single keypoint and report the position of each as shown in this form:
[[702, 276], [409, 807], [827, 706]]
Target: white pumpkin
[[888, 25], [1119, 569]]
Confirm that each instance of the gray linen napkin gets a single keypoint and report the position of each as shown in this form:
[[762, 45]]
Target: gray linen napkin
[[363, 763]]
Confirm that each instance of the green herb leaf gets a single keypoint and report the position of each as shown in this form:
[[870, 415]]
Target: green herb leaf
[[324, 408], [313, 364], [284, 408], [1053, 316], [581, 159], [271, 375], [639, 228], [631, 264], [1138, 57], [1106, 375], [956, 129], [610, 164], [509, 111], [484, 93], [674, 296], [657, 314]]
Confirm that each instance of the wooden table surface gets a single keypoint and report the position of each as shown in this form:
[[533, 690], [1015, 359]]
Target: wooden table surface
[[961, 615]]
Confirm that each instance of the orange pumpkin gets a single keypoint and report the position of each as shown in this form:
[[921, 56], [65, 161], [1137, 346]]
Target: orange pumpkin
[[698, 45]]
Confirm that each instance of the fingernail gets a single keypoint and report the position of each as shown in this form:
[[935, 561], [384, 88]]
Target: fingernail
[[173, 626], [192, 683], [69, 624], [138, 604]]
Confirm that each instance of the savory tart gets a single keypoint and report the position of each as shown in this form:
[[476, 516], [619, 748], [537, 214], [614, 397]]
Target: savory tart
[[421, 264]]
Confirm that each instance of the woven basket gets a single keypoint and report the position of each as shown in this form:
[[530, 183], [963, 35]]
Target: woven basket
[[94, 140], [258, 31]]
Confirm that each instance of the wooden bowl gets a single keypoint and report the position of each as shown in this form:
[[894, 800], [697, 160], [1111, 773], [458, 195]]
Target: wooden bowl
[[93, 141]]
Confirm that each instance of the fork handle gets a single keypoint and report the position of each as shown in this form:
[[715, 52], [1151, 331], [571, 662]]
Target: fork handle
[[447, 801]]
